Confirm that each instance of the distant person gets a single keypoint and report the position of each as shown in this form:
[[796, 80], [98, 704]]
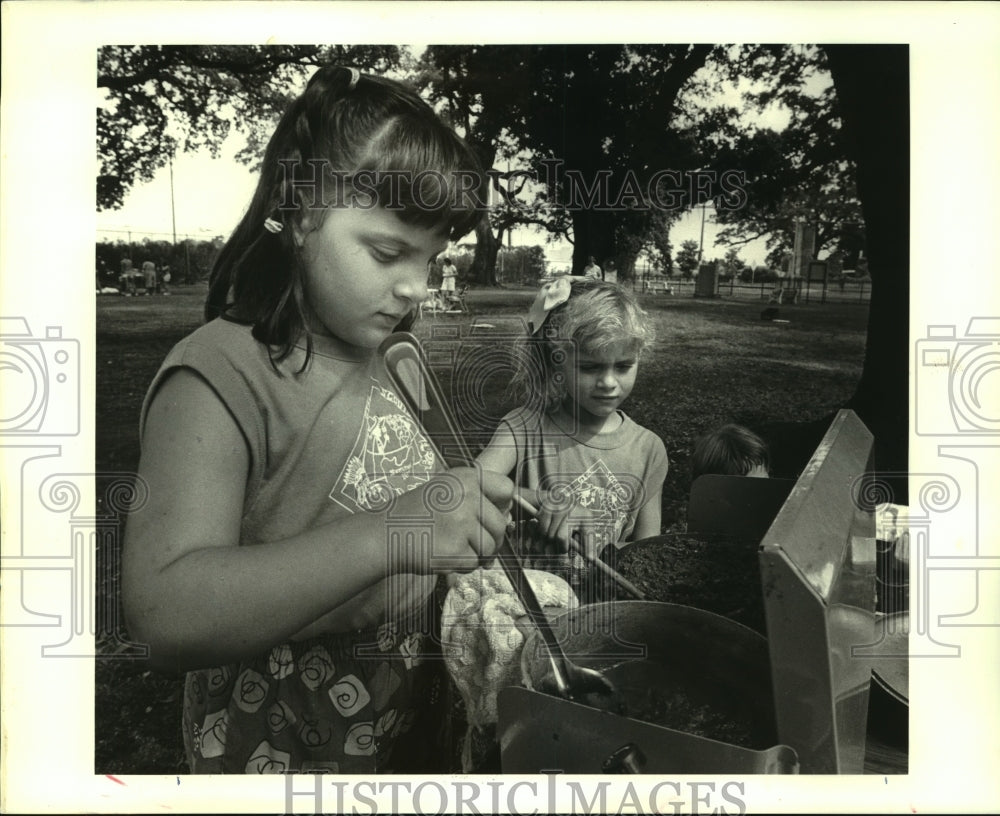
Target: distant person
[[165, 279], [449, 273], [149, 274], [125, 280], [592, 270], [730, 450]]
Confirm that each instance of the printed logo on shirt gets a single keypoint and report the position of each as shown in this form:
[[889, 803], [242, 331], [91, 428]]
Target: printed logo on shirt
[[390, 456], [604, 498]]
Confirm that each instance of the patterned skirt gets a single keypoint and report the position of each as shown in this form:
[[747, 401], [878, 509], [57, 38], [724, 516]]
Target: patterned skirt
[[364, 702]]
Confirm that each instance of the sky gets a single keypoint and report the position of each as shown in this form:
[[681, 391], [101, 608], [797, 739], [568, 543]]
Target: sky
[[210, 195]]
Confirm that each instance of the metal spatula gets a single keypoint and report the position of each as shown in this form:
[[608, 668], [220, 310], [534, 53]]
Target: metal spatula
[[407, 368]]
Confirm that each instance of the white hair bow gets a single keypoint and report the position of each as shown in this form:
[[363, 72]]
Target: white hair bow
[[549, 296]]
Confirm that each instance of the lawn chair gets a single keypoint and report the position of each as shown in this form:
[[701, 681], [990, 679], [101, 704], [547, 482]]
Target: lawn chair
[[434, 303], [455, 301]]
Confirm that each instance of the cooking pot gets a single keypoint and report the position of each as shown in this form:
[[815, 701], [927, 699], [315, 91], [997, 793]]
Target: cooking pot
[[715, 572], [695, 697], [890, 703]]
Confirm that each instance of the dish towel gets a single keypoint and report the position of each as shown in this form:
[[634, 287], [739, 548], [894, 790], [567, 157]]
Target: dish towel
[[482, 637]]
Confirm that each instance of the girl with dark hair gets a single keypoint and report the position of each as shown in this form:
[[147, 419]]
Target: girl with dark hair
[[294, 530]]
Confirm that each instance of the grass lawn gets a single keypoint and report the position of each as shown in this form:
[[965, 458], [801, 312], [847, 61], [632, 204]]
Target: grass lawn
[[714, 361]]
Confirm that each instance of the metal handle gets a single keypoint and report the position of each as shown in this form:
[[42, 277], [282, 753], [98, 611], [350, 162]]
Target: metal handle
[[526, 594], [627, 759]]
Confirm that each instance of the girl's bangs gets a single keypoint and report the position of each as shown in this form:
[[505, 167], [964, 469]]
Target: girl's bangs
[[599, 320], [427, 176], [600, 340]]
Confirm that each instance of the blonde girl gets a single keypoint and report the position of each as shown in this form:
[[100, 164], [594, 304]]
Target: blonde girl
[[601, 472]]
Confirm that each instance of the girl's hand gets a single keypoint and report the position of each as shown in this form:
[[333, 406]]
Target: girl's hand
[[466, 511], [544, 539], [536, 548], [553, 520], [553, 534]]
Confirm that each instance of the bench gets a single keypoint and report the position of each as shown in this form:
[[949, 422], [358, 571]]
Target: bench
[[660, 286]]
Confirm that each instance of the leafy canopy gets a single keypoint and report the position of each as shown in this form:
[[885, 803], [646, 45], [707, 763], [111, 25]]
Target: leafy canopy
[[156, 100]]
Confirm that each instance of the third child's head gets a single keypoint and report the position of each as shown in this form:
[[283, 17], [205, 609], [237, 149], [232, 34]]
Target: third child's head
[[584, 355], [730, 450], [361, 185]]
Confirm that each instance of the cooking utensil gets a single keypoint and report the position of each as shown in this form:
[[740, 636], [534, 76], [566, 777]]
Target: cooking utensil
[[609, 571], [409, 372]]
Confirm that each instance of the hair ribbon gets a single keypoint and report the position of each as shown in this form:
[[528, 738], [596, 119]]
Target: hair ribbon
[[552, 294], [355, 78], [272, 226]]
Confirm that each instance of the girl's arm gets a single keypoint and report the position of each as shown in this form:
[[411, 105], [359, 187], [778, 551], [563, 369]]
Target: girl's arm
[[647, 522], [194, 595], [548, 534]]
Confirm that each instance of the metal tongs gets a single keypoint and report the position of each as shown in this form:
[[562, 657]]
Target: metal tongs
[[407, 368]]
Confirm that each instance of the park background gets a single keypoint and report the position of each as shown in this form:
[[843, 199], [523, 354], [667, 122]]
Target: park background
[[799, 124], [944, 316]]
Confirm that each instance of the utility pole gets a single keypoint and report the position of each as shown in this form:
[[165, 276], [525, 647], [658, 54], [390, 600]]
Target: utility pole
[[510, 232], [701, 240], [173, 217]]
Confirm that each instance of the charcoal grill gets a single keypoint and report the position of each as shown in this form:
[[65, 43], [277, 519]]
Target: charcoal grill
[[808, 681]]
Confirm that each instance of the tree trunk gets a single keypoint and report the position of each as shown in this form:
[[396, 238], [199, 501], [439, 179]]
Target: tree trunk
[[484, 262], [872, 85], [484, 259], [594, 234], [625, 264]]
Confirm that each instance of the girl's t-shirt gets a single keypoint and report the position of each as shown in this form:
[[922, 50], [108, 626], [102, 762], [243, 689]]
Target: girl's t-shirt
[[324, 443], [608, 477]]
